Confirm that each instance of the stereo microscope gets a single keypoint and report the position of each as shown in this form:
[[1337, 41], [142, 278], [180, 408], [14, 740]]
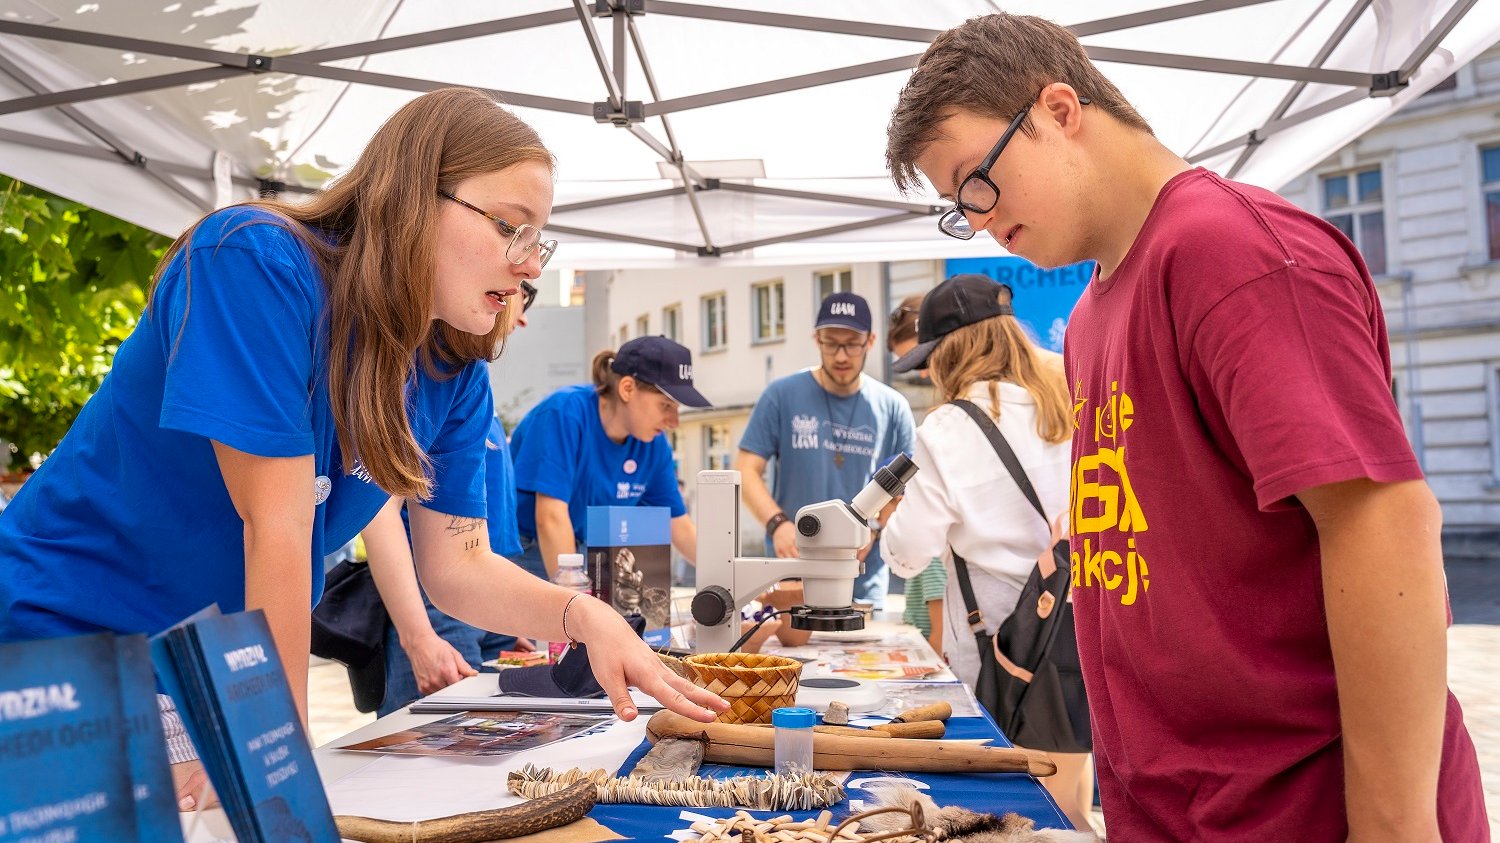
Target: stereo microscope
[[829, 537]]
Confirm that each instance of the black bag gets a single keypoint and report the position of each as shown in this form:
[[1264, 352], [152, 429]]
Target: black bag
[[1033, 687], [348, 626]]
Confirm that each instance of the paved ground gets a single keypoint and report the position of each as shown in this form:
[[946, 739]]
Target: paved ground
[[1474, 666], [1473, 674]]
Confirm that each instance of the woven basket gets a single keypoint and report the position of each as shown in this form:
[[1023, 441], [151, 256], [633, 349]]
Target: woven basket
[[752, 683]]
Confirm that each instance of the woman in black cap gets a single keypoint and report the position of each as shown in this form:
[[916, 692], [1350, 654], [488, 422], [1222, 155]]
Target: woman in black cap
[[975, 350], [604, 444]]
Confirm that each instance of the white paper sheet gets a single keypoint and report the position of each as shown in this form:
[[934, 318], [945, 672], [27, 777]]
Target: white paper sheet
[[405, 788]]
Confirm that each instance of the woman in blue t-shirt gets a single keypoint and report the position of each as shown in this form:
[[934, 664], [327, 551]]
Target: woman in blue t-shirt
[[297, 366], [604, 444]]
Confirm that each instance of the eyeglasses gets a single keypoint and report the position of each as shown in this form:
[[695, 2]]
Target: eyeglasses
[[977, 194], [524, 239], [528, 293], [853, 349]]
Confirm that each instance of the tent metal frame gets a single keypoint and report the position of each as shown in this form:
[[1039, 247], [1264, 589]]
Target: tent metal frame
[[618, 110]]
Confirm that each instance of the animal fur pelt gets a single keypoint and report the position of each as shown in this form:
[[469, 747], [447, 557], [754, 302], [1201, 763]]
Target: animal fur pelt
[[961, 824]]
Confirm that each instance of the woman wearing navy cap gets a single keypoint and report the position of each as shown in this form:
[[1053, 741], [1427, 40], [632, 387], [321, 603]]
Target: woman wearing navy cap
[[604, 444]]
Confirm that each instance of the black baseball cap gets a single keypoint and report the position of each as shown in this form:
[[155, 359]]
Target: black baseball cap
[[959, 301], [664, 364], [844, 310]]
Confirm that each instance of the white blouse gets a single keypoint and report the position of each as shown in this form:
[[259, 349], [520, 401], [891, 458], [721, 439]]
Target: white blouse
[[963, 496]]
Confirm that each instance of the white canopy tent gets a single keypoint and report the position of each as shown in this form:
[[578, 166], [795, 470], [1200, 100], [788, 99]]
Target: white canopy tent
[[685, 132]]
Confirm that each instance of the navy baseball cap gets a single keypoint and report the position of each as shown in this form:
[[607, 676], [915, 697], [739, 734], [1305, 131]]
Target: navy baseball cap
[[959, 301], [664, 364], [844, 310]]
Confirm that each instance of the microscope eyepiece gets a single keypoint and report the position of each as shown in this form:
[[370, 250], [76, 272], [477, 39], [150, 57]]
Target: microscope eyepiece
[[894, 475], [889, 482]]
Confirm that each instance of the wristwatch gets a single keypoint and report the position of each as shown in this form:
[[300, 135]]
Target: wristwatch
[[775, 522]]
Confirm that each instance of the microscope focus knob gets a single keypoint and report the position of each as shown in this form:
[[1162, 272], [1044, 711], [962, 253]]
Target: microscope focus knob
[[713, 605], [809, 525]]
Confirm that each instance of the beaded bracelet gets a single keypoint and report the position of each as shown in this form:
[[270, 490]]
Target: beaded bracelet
[[572, 642]]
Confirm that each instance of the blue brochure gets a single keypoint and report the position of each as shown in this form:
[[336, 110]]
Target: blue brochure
[[227, 679], [156, 817], [63, 765], [630, 560]]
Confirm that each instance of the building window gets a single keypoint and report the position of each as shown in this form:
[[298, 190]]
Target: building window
[[715, 323], [718, 451], [1355, 202], [833, 281], [643, 325], [769, 314], [671, 322], [624, 336], [1490, 173]]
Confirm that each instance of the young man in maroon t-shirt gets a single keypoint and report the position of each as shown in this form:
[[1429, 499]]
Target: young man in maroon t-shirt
[[1256, 568]]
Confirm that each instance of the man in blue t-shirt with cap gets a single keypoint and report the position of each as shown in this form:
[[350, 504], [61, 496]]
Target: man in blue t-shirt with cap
[[828, 428]]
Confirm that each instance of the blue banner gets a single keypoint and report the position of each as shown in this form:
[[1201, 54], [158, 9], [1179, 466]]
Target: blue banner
[[1044, 298]]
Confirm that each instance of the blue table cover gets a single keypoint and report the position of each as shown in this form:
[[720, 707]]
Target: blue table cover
[[993, 793]]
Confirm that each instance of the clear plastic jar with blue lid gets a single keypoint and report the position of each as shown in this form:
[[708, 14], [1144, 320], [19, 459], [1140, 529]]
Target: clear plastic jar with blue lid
[[794, 740]]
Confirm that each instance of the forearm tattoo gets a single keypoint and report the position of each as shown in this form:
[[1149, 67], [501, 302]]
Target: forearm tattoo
[[465, 527]]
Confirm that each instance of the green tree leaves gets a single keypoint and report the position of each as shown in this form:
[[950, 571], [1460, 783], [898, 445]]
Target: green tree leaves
[[72, 286]]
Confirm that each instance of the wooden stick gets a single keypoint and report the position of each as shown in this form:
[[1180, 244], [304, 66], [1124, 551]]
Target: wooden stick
[[922, 729], [849, 731], [934, 711], [749, 746]]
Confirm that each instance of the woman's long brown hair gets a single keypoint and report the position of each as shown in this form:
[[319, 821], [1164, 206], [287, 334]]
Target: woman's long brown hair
[[381, 217], [998, 349]]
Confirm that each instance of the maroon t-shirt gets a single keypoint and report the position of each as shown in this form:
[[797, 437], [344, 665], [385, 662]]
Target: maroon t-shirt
[[1236, 357]]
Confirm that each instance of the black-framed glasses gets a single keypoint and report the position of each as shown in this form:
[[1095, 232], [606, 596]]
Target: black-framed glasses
[[852, 349], [528, 292], [977, 194], [524, 239]]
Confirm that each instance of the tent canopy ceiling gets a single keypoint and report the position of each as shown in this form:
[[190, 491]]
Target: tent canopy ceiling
[[684, 132]]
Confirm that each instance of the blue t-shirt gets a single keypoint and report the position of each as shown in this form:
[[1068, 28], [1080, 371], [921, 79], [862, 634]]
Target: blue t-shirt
[[561, 451], [128, 525], [500, 480], [799, 427]]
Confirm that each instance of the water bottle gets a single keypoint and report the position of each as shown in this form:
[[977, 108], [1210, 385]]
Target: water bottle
[[569, 575]]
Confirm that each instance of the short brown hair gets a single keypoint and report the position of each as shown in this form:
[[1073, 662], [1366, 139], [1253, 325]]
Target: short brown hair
[[992, 66]]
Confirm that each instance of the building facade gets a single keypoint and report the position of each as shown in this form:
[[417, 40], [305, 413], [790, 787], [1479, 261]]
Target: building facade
[[1420, 195], [746, 327]]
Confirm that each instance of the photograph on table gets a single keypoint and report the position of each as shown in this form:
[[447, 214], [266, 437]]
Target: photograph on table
[[879, 663], [485, 734], [903, 696]]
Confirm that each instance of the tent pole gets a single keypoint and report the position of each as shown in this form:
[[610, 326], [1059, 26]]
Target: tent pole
[[118, 89], [818, 232], [129, 155], [1424, 49], [889, 204], [1257, 136], [1162, 15], [1334, 39], [691, 180]]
